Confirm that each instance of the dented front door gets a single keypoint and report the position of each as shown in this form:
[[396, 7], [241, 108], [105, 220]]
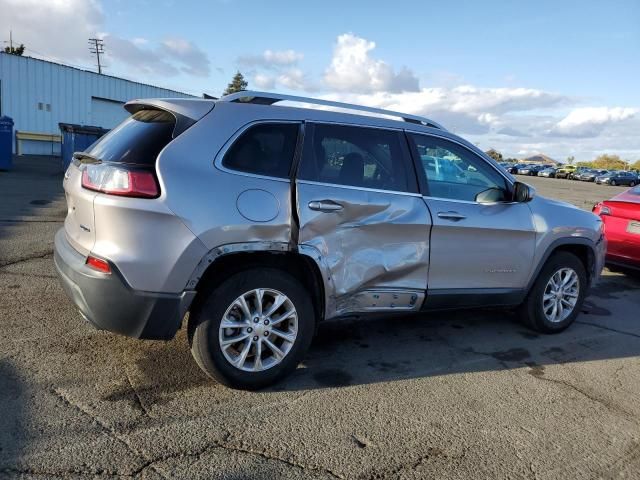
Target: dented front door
[[372, 245]]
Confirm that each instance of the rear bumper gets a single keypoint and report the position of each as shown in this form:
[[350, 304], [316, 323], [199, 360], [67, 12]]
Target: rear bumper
[[109, 303]]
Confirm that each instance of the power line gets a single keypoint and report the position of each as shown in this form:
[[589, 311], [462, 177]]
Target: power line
[[96, 46]]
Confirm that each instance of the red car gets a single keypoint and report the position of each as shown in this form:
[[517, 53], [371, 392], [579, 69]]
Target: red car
[[621, 217]]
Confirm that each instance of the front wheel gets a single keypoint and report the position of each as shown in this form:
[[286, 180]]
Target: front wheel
[[632, 183], [253, 329], [613, 183], [556, 298]]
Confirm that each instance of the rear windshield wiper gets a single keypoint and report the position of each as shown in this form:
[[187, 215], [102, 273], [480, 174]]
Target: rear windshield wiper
[[86, 158]]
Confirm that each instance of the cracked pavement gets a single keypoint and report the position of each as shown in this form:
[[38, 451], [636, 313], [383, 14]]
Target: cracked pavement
[[468, 394]]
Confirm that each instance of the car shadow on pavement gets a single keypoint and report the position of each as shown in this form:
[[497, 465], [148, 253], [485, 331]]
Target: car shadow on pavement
[[362, 351]]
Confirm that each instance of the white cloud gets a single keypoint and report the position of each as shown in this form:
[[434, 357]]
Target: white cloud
[[59, 30], [464, 109], [194, 60], [264, 82], [272, 59], [295, 79], [131, 54], [56, 29], [590, 121], [352, 69]]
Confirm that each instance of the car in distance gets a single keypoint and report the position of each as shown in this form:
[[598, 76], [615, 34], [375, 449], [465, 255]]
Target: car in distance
[[530, 170], [618, 178], [513, 168], [591, 175], [621, 216], [565, 171], [548, 172], [262, 220], [578, 171]]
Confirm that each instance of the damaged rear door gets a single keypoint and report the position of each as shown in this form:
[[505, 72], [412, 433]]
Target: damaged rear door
[[361, 217]]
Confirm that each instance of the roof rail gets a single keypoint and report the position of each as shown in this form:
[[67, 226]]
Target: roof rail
[[266, 98]]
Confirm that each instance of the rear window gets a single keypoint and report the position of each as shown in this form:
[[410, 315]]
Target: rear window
[[264, 149], [138, 140]]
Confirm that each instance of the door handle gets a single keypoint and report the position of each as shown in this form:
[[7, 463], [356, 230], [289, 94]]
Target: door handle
[[455, 216], [325, 206]]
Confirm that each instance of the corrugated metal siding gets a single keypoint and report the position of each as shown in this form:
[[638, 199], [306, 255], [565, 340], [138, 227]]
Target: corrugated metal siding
[[27, 82]]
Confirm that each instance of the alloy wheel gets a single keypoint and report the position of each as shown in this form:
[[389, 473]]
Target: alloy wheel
[[561, 295], [258, 330]]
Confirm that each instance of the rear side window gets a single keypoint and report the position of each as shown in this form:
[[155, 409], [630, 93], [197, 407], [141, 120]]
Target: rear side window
[[137, 140], [358, 157], [264, 149]]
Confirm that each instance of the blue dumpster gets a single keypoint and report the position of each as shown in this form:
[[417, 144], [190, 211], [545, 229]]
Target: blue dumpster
[[6, 143], [77, 138]]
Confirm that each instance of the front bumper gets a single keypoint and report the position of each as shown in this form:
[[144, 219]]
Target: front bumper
[[109, 303]]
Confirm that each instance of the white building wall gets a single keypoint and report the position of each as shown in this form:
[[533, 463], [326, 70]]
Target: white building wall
[[38, 95]]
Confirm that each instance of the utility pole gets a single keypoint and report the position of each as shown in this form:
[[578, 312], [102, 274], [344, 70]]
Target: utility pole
[[96, 46]]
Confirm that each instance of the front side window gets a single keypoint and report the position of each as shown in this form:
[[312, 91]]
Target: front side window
[[264, 149], [355, 156], [454, 172]]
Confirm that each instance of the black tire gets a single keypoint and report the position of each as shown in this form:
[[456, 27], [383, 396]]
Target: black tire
[[205, 323], [531, 311], [632, 183], [613, 183]]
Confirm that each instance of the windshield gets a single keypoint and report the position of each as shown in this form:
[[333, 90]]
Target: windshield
[[138, 140]]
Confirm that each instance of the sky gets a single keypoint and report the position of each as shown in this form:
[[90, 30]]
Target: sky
[[523, 77]]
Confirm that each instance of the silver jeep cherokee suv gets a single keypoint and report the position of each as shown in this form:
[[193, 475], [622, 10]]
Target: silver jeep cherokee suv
[[261, 220]]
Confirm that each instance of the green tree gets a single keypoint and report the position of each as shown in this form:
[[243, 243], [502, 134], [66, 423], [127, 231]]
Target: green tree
[[497, 156], [238, 84], [636, 166], [570, 160], [15, 50], [610, 162]]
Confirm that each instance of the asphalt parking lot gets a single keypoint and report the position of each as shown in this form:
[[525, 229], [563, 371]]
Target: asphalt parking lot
[[469, 394]]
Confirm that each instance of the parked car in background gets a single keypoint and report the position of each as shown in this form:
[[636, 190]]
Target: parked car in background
[[515, 167], [549, 172], [621, 216], [565, 171], [262, 221], [591, 175], [618, 178], [577, 172], [531, 170]]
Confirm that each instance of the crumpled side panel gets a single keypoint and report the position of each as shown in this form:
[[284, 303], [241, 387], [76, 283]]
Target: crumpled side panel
[[376, 241]]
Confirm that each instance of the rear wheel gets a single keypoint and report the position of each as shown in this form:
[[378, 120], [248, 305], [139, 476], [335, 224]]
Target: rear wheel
[[556, 298], [632, 183], [613, 182], [253, 329]]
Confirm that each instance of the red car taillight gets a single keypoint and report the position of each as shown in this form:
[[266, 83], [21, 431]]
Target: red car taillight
[[98, 264], [601, 209], [118, 180]]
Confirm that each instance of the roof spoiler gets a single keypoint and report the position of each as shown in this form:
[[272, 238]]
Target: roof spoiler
[[186, 111]]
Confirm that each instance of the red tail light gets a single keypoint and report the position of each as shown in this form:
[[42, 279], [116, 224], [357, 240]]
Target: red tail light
[[98, 264], [601, 209], [117, 180]]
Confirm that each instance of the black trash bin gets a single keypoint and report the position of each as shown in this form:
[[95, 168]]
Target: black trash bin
[[76, 138]]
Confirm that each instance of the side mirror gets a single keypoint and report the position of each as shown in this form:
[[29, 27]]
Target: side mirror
[[491, 195], [523, 192]]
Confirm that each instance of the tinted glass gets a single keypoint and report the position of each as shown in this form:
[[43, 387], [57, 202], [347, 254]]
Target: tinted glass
[[137, 140], [356, 156], [265, 149], [452, 171]]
